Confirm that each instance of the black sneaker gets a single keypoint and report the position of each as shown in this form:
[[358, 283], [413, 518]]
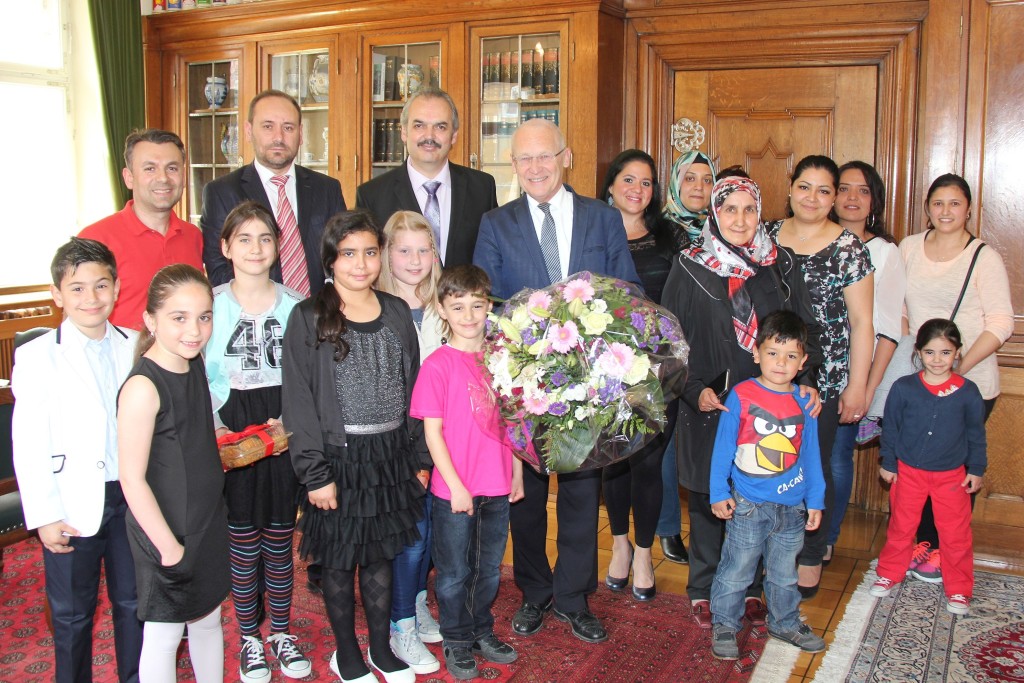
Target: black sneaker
[[460, 663], [252, 662], [494, 650]]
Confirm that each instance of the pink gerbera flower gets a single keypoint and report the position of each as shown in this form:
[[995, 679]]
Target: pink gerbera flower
[[617, 360], [538, 300], [537, 404], [563, 337], [578, 289]]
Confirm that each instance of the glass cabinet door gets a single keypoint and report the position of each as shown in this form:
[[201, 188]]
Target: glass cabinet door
[[306, 76], [398, 71], [212, 135], [520, 78]]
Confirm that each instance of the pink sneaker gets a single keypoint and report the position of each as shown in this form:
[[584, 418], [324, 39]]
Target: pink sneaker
[[882, 587], [958, 604], [921, 551], [928, 569]]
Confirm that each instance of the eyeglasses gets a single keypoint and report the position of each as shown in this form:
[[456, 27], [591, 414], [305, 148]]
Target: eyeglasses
[[542, 159]]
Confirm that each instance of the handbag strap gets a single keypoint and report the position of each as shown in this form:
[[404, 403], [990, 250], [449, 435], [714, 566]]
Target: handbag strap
[[967, 280]]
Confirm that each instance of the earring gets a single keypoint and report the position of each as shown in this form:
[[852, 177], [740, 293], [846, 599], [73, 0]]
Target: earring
[[611, 201], [871, 221]]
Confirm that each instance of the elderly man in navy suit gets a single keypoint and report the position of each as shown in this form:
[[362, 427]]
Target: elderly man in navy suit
[[547, 234], [301, 200]]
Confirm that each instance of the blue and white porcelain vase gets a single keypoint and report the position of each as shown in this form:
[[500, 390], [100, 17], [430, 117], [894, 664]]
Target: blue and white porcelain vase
[[216, 91]]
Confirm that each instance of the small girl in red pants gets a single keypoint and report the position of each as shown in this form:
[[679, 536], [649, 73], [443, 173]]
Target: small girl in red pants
[[934, 426]]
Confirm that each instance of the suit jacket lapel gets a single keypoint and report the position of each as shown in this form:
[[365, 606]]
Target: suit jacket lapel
[[405, 196], [528, 233], [252, 187], [580, 220], [73, 355], [305, 195], [459, 192]]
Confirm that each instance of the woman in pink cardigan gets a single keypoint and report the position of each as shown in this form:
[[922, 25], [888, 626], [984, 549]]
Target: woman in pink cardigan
[[938, 262]]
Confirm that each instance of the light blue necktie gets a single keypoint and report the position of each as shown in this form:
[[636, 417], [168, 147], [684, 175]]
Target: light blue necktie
[[433, 212]]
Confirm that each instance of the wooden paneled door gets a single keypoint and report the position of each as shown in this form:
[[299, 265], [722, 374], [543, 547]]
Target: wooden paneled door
[[767, 119]]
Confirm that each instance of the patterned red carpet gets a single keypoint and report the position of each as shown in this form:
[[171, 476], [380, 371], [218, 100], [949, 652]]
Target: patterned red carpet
[[654, 643]]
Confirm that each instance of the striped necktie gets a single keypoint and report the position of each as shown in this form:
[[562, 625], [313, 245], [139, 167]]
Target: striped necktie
[[293, 259], [549, 244]]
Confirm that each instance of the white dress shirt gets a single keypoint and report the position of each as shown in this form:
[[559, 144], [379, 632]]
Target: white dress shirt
[[271, 189], [444, 199], [561, 212]]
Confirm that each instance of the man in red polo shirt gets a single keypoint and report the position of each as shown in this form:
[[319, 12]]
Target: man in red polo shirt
[[146, 235]]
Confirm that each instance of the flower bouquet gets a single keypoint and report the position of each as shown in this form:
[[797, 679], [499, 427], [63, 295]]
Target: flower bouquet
[[581, 371]]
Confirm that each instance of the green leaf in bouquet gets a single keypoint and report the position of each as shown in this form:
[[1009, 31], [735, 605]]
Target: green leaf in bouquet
[[565, 450]]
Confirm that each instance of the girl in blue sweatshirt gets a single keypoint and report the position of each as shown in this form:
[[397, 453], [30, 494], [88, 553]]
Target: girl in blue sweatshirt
[[933, 444]]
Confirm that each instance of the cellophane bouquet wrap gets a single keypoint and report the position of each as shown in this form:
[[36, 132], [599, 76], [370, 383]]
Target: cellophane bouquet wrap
[[240, 449], [581, 371]]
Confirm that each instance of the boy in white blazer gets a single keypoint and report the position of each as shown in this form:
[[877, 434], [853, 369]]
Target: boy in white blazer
[[65, 385]]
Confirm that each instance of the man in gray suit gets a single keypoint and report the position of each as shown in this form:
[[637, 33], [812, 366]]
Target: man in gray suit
[[451, 197]]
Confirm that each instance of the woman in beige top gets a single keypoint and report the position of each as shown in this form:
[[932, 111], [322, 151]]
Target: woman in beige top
[[937, 263]]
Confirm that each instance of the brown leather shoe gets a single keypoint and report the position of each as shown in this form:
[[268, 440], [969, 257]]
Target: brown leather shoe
[[755, 611], [701, 611]]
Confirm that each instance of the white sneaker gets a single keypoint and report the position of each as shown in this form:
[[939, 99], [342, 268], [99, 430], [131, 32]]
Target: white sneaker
[[293, 663], [429, 630], [407, 646]]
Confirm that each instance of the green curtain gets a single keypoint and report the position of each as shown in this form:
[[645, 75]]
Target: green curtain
[[117, 34]]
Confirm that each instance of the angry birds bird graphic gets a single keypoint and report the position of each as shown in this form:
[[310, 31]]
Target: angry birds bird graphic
[[768, 444]]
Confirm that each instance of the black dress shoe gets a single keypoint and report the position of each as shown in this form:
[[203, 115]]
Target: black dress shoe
[[529, 618], [644, 594], [673, 549], [585, 625]]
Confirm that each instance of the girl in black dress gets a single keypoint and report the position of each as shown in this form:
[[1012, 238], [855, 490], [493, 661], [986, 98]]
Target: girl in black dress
[[350, 358], [172, 479]]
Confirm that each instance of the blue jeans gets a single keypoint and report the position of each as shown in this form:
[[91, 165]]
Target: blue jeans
[[671, 519], [467, 553], [842, 477], [755, 530], [410, 568]]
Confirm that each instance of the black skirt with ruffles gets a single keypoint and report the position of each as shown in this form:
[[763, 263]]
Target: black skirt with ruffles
[[379, 503]]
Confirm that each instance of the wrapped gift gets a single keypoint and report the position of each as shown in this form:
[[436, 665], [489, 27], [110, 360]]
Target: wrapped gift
[[252, 444]]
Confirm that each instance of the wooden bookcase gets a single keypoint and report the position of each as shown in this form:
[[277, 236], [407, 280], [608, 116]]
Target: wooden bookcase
[[286, 43]]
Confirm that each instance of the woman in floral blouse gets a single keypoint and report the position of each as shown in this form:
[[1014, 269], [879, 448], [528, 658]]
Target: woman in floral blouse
[[837, 269]]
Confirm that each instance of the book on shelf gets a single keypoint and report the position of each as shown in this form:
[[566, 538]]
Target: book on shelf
[[390, 78], [551, 71], [435, 71], [538, 72], [396, 149], [526, 59], [380, 141], [505, 75], [379, 65]]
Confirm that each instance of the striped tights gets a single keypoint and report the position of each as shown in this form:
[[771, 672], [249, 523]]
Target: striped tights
[[274, 546]]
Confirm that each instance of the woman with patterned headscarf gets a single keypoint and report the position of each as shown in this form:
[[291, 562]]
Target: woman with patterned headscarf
[[720, 287], [689, 189]]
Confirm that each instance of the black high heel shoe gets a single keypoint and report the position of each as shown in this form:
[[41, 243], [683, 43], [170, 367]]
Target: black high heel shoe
[[616, 584], [645, 594]]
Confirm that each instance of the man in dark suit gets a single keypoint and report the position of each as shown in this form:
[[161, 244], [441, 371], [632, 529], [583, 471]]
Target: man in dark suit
[[299, 198], [430, 126], [540, 238]]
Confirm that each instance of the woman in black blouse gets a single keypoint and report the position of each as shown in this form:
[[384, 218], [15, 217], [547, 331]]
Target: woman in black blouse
[[631, 186]]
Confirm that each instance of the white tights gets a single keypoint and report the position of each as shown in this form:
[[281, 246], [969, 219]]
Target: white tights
[[160, 642]]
